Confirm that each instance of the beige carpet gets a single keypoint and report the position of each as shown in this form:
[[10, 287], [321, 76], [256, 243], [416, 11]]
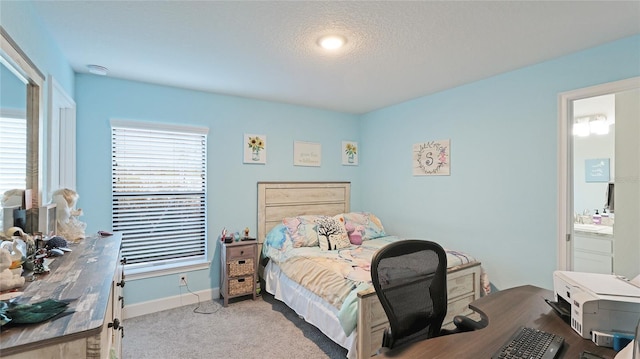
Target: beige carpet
[[264, 328]]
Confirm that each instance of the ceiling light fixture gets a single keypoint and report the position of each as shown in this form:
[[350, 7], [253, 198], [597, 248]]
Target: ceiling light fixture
[[593, 124], [332, 42], [98, 70]]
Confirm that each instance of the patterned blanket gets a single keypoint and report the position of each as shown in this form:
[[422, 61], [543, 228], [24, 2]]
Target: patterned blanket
[[336, 276]]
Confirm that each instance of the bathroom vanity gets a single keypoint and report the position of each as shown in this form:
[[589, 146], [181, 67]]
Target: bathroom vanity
[[593, 248]]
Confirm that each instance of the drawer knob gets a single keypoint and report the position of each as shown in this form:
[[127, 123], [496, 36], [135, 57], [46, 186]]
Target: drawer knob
[[241, 252]]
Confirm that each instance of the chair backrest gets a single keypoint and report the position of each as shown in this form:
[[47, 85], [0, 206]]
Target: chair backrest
[[410, 279]]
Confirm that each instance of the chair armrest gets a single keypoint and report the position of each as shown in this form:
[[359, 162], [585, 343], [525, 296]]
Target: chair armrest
[[466, 324]]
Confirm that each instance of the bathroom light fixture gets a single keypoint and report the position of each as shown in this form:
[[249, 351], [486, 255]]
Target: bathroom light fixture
[[98, 70], [593, 124], [332, 42]]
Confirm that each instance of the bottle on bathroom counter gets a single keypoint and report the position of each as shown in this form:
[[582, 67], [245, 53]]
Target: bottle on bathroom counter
[[597, 218]]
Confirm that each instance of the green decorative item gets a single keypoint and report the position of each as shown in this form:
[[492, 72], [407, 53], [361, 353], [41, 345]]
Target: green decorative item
[[32, 313]]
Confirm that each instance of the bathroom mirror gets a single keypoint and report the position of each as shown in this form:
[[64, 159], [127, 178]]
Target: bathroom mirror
[[21, 110]]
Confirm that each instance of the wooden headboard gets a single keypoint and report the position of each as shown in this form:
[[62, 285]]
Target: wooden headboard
[[277, 200]]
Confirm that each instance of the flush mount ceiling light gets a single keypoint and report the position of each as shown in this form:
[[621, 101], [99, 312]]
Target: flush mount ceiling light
[[332, 42], [98, 70]]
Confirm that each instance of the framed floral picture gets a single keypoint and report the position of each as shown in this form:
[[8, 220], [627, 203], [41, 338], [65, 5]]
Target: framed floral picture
[[350, 152], [255, 149]]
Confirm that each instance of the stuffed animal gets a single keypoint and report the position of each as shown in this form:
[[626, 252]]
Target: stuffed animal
[[355, 233], [9, 278], [69, 226], [12, 197]]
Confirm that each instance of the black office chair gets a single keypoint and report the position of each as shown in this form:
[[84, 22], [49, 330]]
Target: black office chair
[[410, 279]]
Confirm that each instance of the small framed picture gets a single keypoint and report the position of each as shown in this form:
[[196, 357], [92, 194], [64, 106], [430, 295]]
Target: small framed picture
[[307, 154], [255, 149], [597, 170], [432, 158], [47, 220], [350, 152]]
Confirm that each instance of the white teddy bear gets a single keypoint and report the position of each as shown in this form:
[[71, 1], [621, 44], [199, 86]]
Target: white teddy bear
[[69, 226], [9, 279]]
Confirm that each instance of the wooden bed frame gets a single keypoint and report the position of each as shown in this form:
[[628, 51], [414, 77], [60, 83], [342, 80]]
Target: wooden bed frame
[[277, 200]]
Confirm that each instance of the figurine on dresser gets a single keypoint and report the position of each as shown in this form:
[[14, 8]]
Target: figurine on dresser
[[69, 226], [9, 277]]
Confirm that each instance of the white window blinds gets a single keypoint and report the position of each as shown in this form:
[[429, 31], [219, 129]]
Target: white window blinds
[[13, 151], [159, 189]]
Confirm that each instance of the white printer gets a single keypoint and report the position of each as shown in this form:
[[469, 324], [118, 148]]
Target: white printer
[[602, 302]]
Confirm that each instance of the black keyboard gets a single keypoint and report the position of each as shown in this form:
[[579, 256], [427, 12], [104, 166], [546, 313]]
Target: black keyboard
[[530, 343]]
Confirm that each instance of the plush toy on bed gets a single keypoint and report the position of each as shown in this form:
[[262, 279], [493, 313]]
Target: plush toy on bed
[[355, 233]]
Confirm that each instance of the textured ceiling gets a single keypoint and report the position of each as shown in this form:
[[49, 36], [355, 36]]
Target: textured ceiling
[[395, 50]]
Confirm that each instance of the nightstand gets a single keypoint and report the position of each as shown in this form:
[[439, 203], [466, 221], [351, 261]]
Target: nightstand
[[238, 269]]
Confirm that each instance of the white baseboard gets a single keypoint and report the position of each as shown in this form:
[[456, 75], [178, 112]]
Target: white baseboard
[[158, 305]]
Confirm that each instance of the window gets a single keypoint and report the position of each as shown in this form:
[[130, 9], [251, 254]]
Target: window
[[159, 189], [13, 150]]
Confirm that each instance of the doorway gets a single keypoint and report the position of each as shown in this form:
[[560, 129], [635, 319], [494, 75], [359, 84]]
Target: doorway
[[590, 166]]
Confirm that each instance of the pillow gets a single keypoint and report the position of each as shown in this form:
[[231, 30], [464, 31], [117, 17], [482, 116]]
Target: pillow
[[366, 223], [277, 244], [277, 237], [302, 230], [331, 233]]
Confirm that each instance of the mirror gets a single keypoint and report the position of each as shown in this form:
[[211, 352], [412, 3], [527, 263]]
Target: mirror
[[21, 106]]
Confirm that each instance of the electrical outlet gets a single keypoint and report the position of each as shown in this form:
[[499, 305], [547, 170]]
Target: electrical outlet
[[182, 280]]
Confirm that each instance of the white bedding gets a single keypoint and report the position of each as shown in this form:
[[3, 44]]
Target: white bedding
[[309, 306]]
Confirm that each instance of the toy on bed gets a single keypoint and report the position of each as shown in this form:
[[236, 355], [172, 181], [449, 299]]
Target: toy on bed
[[355, 233]]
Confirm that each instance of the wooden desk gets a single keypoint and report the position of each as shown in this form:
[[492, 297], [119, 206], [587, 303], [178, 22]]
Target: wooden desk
[[505, 311]]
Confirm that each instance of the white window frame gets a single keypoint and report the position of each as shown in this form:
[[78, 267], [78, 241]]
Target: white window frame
[[190, 192]]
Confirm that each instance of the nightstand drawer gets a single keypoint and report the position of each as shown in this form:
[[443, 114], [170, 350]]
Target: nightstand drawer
[[460, 285], [238, 286], [240, 267], [241, 251]]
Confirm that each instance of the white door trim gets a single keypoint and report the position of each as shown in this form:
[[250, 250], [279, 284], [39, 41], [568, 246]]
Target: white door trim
[[565, 160], [61, 166]]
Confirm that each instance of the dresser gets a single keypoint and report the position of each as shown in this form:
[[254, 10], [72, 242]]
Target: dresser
[[238, 269], [92, 274]]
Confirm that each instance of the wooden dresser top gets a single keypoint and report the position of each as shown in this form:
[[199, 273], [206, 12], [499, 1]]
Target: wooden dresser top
[[85, 274]]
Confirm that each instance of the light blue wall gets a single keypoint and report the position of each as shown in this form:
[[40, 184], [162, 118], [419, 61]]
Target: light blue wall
[[232, 185], [499, 203], [25, 28], [13, 93]]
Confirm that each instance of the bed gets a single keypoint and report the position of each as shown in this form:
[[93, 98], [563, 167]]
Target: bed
[[353, 318]]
